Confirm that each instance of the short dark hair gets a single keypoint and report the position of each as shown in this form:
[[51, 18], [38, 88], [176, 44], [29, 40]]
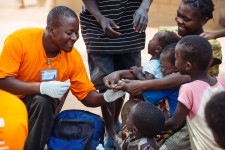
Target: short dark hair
[[148, 119], [168, 38], [206, 7], [170, 49], [215, 114], [196, 49], [57, 12]]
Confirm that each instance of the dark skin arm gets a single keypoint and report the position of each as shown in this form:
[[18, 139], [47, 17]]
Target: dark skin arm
[[149, 76], [140, 18], [213, 35], [137, 87], [18, 87], [112, 79], [93, 99], [107, 24], [137, 72], [178, 119]]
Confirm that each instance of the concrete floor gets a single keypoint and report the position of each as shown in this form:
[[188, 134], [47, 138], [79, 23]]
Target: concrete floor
[[12, 18]]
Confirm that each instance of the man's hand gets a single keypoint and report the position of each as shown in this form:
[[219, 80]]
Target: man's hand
[[140, 19], [111, 80], [55, 89], [108, 26]]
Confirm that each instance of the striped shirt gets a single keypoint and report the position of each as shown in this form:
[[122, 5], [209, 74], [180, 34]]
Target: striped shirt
[[121, 12]]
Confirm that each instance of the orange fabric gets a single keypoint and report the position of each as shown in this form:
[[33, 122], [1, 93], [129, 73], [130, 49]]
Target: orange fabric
[[23, 57], [13, 122]]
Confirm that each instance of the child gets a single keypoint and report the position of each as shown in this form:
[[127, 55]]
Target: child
[[152, 69], [193, 55], [191, 16], [144, 122], [215, 114], [167, 59]]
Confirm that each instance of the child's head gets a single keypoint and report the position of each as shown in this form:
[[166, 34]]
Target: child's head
[[145, 120], [215, 114], [193, 54], [160, 40], [192, 15], [167, 59]]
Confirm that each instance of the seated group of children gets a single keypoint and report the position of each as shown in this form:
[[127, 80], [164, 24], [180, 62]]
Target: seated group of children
[[189, 56]]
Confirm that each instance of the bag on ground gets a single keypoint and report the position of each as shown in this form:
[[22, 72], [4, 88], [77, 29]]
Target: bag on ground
[[76, 130]]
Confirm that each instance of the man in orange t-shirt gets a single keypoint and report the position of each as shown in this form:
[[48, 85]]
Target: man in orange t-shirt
[[40, 65], [13, 122]]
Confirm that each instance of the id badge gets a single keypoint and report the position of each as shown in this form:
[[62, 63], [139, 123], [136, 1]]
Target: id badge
[[48, 75]]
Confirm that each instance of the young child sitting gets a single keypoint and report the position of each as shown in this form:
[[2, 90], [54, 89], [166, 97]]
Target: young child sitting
[[143, 123], [152, 69], [193, 55], [215, 114], [167, 59]]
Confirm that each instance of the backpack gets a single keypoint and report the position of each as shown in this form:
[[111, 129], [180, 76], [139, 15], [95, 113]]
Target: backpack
[[76, 130]]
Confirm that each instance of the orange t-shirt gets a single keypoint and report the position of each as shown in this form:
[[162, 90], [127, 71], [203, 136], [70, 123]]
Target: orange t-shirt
[[23, 57], [13, 122]]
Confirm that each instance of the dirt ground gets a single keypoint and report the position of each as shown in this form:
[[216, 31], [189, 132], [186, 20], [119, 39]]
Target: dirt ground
[[12, 18]]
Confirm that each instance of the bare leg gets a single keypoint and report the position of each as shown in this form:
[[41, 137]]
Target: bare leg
[[118, 107], [110, 113]]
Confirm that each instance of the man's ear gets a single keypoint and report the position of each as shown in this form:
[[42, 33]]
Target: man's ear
[[204, 21], [50, 31], [188, 66]]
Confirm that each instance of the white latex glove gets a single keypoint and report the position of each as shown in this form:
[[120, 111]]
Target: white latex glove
[[111, 96], [54, 89]]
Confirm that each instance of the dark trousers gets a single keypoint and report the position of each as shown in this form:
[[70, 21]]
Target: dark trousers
[[41, 111]]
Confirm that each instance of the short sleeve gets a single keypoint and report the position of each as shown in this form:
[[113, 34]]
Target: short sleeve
[[153, 67], [80, 83], [217, 56], [221, 80], [186, 96], [11, 57]]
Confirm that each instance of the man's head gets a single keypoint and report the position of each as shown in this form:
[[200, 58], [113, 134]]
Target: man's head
[[145, 120], [193, 53], [63, 28], [215, 114]]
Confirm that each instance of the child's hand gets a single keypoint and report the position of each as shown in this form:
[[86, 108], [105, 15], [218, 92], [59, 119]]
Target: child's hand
[[136, 70], [119, 85]]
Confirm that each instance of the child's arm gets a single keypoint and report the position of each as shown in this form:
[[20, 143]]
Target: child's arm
[[137, 72], [213, 35], [178, 119], [149, 76]]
